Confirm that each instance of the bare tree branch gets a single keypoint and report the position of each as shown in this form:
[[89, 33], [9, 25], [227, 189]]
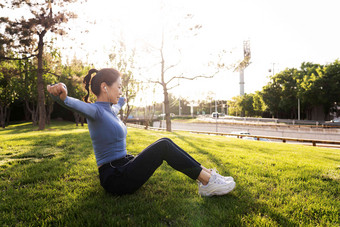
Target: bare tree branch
[[174, 78], [13, 59], [155, 82], [171, 66], [192, 78], [173, 87], [53, 74]]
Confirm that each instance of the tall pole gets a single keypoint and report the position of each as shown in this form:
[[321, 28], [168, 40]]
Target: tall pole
[[163, 109], [242, 81], [298, 108], [192, 109], [179, 107]]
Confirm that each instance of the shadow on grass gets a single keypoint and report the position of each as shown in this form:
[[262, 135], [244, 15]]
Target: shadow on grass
[[233, 208], [62, 189], [23, 127], [34, 181], [51, 183], [20, 127], [212, 157], [170, 200]]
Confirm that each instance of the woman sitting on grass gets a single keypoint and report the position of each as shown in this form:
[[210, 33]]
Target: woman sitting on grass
[[119, 172]]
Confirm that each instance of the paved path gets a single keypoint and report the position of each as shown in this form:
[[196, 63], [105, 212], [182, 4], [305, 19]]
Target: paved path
[[263, 130]]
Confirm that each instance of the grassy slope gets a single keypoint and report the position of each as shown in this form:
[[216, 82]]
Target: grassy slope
[[51, 178]]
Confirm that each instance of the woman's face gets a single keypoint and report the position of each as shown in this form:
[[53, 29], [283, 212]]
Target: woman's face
[[115, 91]]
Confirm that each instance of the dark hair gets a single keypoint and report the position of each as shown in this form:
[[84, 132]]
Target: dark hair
[[107, 75]]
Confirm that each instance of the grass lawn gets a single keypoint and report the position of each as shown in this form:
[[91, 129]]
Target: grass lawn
[[50, 178]]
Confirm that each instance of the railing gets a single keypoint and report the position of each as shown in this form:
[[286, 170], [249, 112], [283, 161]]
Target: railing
[[258, 137], [273, 123]]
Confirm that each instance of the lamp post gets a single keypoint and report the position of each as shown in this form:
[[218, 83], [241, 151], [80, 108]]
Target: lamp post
[[215, 105], [297, 94], [272, 70], [298, 108]]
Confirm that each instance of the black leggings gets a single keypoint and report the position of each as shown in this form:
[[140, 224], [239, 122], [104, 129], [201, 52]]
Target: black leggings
[[126, 175]]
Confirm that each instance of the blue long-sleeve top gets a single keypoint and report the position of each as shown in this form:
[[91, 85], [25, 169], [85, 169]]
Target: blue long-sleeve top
[[107, 131]]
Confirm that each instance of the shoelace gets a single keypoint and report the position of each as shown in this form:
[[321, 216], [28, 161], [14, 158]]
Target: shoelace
[[217, 180], [215, 172], [213, 179]]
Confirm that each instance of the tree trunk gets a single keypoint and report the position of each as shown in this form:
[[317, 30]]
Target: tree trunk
[[2, 116], [49, 112], [35, 115], [76, 117], [152, 114], [27, 113], [82, 120], [40, 83], [167, 109], [121, 113], [8, 114], [165, 92], [128, 111], [146, 122], [33, 112]]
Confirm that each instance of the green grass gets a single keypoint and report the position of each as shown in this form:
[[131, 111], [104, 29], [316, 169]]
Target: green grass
[[50, 178]]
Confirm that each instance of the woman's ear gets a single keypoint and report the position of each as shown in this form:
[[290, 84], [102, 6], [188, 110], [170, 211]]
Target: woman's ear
[[103, 87]]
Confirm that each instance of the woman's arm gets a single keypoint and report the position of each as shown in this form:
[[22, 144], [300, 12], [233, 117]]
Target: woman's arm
[[119, 105], [59, 94]]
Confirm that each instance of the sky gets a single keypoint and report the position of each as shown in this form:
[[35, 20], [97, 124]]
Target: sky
[[282, 33]]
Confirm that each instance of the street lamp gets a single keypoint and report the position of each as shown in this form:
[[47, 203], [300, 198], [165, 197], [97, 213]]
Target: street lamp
[[298, 103], [272, 70], [298, 108]]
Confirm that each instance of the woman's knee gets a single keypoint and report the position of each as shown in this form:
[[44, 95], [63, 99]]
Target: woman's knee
[[166, 143], [165, 139]]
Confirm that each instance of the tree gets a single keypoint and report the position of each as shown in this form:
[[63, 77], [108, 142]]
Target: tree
[[329, 86], [72, 75], [28, 75], [167, 77], [258, 104], [234, 104], [308, 86], [210, 97], [247, 107], [314, 85], [7, 89], [25, 34], [288, 84], [124, 63]]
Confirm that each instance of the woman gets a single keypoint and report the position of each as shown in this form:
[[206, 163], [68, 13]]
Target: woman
[[119, 172]]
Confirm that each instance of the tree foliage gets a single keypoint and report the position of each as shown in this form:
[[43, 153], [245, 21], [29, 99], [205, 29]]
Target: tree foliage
[[8, 91], [315, 85], [25, 36]]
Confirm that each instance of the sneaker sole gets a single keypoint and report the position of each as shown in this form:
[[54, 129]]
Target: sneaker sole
[[229, 189], [218, 192]]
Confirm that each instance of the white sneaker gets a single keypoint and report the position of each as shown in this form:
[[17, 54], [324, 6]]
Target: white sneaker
[[214, 172], [216, 186]]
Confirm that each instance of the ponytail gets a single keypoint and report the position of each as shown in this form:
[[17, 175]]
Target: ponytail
[[107, 75], [86, 81]]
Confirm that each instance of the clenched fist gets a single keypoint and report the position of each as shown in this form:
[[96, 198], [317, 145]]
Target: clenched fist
[[58, 90]]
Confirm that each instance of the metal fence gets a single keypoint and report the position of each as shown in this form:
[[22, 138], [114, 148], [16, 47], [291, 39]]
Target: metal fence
[[313, 142]]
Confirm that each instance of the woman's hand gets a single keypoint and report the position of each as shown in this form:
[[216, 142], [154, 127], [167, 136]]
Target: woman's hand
[[58, 90]]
